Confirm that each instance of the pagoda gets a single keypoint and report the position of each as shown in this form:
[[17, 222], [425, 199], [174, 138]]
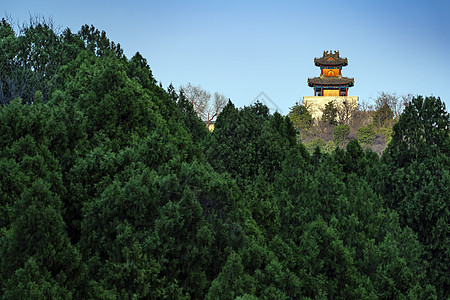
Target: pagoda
[[330, 86]]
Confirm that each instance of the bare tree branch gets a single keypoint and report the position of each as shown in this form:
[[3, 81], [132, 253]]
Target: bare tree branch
[[206, 109], [395, 103], [345, 111]]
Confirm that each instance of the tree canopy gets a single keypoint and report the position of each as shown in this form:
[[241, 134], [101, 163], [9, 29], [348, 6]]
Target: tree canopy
[[111, 187]]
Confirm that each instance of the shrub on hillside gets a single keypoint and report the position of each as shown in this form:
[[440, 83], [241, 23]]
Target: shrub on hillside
[[340, 132], [365, 135]]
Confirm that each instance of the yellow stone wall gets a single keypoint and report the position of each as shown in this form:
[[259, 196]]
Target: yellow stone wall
[[331, 92], [316, 104]]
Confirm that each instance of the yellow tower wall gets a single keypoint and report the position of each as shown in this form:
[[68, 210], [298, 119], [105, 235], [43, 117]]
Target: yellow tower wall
[[326, 72], [331, 92], [316, 104]]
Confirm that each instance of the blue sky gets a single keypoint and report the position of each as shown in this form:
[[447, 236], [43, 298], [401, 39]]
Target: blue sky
[[243, 48]]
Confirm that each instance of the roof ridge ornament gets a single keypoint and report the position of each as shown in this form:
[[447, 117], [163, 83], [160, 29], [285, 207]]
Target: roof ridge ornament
[[331, 58], [330, 53]]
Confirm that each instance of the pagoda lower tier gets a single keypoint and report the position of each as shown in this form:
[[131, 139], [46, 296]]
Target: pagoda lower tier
[[330, 86]]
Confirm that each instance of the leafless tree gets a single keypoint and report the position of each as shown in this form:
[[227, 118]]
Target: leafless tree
[[361, 116], [214, 110], [17, 83], [405, 99], [364, 105], [36, 20], [396, 103], [206, 108], [197, 96], [322, 128], [345, 111], [307, 105]]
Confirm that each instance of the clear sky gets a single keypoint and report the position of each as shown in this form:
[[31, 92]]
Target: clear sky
[[243, 48]]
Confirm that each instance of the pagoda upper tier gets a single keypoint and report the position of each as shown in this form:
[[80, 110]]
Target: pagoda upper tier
[[330, 59]]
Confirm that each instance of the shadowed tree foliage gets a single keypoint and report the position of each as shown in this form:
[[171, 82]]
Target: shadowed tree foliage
[[416, 180], [340, 132], [112, 188], [301, 118], [245, 141]]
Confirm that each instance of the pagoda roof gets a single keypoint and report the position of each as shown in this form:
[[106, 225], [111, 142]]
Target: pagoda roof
[[330, 59], [331, 81]]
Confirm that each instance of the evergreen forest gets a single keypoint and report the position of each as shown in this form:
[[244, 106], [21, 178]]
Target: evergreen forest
[[111, 187]]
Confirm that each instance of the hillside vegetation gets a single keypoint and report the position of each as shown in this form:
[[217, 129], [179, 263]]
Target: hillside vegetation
[[341, 122], [112, 188]]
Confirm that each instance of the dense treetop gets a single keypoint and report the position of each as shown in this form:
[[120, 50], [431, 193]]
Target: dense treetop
[[112, 188]]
